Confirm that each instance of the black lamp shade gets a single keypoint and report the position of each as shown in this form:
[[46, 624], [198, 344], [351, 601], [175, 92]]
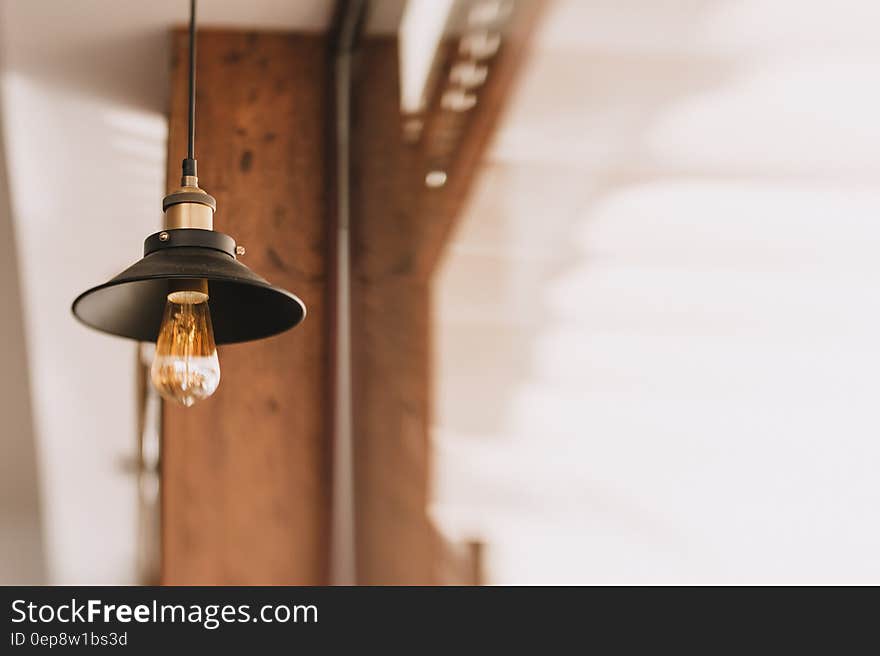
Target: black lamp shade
[[243, 305]]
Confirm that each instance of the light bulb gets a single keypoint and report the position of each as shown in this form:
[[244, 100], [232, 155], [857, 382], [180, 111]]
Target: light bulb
[[186, 368]]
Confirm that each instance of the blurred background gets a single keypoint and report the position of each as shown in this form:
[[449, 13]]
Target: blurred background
[[590, 283]]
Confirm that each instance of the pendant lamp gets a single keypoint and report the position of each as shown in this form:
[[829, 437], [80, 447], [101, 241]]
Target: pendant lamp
[[189, 292]]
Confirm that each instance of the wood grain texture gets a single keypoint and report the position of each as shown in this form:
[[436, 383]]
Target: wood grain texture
[[399, 227], [394, 537], [465, 136], [246, 474]]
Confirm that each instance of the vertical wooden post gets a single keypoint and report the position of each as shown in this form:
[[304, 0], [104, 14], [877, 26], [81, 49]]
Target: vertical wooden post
[[399, 226], [245, 474], [395, 540]]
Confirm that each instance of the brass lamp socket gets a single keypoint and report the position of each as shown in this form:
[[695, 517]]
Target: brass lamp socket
[[189, 206]]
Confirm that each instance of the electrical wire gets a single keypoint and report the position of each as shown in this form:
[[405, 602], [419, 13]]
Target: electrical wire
[[189, 164]]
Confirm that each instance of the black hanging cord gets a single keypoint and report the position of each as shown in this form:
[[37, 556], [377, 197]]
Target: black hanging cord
[[189, 164]]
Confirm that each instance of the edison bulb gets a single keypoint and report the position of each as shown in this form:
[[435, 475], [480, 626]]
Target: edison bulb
[[186, 368]]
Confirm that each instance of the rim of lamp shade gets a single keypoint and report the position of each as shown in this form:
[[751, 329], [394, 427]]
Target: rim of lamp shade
[[243, 305]]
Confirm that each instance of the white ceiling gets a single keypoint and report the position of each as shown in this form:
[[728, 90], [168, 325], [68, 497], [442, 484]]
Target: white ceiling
[[657, 345]]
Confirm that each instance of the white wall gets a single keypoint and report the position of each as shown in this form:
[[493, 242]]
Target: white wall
[[657, 324], [21, 540]]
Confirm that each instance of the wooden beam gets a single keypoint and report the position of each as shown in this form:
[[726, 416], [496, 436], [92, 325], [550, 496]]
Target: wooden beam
[[457, 141], [246, 474], [399, 227]]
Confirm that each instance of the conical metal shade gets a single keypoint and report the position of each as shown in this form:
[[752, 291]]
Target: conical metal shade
[[243, 305]]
